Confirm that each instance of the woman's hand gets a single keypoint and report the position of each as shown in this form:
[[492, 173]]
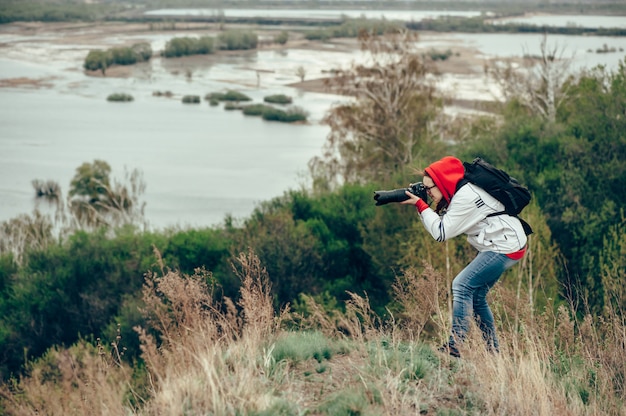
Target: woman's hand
[[412, 199]]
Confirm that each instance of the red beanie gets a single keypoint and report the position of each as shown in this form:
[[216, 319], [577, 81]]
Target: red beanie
[[446, 173]]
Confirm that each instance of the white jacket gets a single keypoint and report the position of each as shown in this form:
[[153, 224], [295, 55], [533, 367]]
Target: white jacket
[[467, 213]]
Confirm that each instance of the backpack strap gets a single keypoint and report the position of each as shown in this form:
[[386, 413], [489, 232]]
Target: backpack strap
[[527, 228], [460, 183]]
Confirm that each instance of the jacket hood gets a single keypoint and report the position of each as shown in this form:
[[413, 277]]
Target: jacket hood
[[446, 173]]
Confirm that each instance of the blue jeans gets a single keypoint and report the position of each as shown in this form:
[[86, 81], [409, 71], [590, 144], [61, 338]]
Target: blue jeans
[[469, 290]]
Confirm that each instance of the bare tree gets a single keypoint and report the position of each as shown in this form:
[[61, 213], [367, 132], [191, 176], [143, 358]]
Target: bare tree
[[392, 118], [95, 201], [540, 84], [301, 73], [115, 204]]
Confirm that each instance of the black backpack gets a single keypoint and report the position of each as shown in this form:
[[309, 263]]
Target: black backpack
[[501, 186]]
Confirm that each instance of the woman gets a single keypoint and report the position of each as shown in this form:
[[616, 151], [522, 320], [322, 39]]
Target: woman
[[500, 241]]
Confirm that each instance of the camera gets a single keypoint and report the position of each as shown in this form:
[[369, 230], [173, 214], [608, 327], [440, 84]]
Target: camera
[[398, 195]]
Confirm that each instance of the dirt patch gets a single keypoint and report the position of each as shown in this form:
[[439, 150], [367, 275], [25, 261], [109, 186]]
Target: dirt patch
[[115, 71], [23, 82], [313, 85]]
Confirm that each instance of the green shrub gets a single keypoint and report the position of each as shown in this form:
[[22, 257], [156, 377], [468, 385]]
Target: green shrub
[[97, 60], [318, 34], [414, 362], [120, 97], [256, 109], [346, 402], [436, 55], [191, 99], [292, 115], [101, 60], [278, 99], [232, 106], [184, 46], [235, 96], [302, 346], [237, 40], [143, 51], [123, 56], [282, 37], [230, 95]]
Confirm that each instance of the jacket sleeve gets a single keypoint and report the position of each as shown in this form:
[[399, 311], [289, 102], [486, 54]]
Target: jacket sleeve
[[463, 213]]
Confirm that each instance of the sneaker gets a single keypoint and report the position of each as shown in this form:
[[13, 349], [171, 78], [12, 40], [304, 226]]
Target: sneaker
[[450, 349]]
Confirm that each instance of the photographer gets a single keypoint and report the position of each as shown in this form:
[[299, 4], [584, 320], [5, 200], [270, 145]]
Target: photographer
[[500, 241]]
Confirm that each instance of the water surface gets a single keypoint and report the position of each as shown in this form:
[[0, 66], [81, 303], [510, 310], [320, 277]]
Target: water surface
[[199, 162]]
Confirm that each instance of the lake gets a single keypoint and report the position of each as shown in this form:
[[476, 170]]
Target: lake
[[200, 163]]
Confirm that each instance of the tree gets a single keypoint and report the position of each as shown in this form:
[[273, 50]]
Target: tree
[[594, 175], [95, 201], [301, 73], [575, 169], [540, 85], [394, 119]]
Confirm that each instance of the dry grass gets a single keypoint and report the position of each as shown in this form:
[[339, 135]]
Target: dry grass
[[205, 355], [77, 381]]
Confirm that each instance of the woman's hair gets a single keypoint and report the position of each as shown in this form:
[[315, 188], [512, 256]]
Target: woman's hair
[[442, 205]]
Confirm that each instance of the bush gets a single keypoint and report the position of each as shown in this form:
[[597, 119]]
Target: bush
[[290, 116], [101, 60], [123, 56], [282, 37], [436, 55], [120, 97], [97, 60], [143, 51], [317, 34], [256, 109], [278, 99], [302, 346], [184, 46], [230, 95], [191, 99], [232, 106], [237, 40]]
